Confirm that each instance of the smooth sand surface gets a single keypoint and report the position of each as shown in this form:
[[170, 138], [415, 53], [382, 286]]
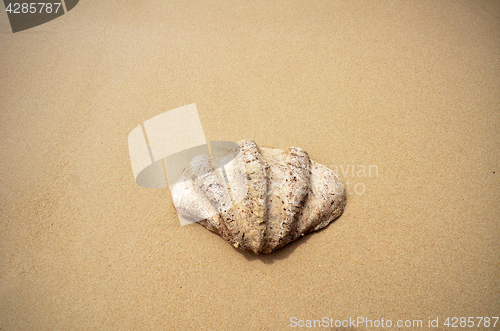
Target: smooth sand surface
[[408, 90]]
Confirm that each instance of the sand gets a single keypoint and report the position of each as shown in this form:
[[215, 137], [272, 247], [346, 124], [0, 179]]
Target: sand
[[401, 98]]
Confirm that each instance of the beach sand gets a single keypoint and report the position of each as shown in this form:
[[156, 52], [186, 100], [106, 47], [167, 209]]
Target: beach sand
[[401, 98]]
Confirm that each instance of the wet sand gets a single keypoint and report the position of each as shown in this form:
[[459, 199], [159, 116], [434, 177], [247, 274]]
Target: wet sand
[[402, 99]]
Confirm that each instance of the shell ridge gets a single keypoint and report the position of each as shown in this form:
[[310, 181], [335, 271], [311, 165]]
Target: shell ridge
[[245, 222], [301, 160]]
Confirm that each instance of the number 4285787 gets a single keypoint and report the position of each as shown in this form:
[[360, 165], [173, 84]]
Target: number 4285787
[[32, 8], [455, 322]]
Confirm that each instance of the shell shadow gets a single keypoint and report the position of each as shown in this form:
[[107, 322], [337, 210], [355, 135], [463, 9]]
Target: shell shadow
[[280, 254]]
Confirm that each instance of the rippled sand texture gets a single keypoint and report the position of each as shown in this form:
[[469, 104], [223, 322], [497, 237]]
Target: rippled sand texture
[[400, 97]]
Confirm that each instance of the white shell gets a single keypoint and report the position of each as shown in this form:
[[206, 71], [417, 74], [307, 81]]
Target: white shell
[[264, 198]]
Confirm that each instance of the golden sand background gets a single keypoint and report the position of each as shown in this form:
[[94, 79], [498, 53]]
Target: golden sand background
[[412, 88]]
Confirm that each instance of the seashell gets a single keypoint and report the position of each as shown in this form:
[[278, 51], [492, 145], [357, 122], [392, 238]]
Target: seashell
[[261, 200]]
